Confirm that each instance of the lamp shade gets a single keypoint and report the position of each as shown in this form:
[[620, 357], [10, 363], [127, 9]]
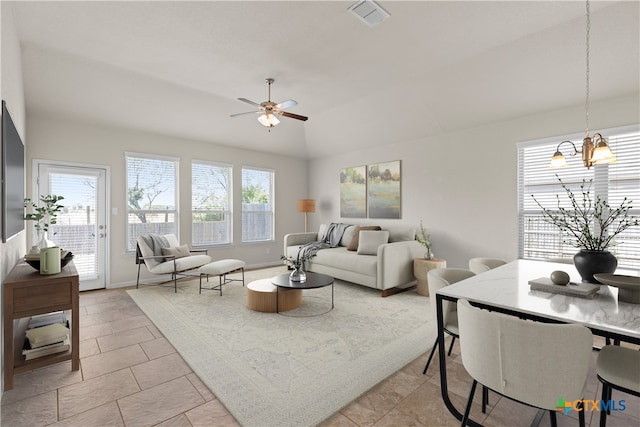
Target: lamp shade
[[602, 154], [268, 120], [558, 161], [306, 205]]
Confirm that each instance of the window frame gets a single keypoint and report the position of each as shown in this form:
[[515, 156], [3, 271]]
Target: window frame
[[606, 179], [176, 190], [228, 213], [272, 211]]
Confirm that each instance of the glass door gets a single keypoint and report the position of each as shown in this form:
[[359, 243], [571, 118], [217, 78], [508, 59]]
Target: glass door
[[81, 226]]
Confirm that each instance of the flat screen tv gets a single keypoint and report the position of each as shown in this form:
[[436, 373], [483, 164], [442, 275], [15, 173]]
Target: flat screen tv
[[12, 178]]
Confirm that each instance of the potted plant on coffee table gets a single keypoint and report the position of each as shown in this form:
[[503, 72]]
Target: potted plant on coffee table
[[297, 264], [592, 225]]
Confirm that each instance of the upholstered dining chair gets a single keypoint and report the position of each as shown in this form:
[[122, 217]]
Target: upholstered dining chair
[[617, 368], [438, 278], [539, 364], [480, 265], [163, 254]]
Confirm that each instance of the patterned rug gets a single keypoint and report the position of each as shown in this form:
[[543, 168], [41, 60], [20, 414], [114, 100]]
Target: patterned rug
[[275, 370]]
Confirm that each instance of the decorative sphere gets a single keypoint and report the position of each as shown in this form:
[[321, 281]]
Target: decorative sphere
[[559, 277]]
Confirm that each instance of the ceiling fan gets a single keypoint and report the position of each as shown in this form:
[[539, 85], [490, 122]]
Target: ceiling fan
[[268, 109]]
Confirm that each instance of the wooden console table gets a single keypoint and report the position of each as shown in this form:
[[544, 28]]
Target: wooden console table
[[26, 293]]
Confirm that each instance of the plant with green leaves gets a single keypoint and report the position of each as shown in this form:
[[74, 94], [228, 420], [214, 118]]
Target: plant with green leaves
[[298, 261], [423, 239], [44, 214], [592, 222]]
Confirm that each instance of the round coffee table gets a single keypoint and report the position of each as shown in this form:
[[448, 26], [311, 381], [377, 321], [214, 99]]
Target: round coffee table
[[314, 281]]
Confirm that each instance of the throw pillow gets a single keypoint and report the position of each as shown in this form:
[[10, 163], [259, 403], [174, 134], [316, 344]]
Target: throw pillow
[[178, 252], [347, 236], [370, 240], [353, 246]]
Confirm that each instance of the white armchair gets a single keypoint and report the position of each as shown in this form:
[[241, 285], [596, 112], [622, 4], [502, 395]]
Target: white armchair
[[163, 254]]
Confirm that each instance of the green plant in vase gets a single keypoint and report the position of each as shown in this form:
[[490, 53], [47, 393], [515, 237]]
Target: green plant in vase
[[593, 226], [423, 239], [297, 263], [44, 215]]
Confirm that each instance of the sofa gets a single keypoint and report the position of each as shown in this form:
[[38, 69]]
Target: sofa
[[379, 258]]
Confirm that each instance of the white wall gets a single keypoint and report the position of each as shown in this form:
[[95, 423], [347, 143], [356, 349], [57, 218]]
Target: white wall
[[73, 142], [463, 185], [11, 90]]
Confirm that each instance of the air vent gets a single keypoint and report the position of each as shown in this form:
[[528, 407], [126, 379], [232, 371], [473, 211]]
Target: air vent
[[369, 12]]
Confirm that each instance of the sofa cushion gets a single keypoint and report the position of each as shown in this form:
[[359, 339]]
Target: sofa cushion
[[370, 240], [401, 233], [178, 252], [348, 234], [353, 245], [341, 259]]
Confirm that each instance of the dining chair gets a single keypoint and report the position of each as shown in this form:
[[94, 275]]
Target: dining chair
[[480, 265], [438, 278], [617, 368], [539, 364]]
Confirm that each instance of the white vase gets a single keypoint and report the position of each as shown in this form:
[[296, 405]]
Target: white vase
[[298, 275], [44, 242]]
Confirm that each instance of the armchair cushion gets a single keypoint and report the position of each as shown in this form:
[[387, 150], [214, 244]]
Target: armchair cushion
[[178, 252]]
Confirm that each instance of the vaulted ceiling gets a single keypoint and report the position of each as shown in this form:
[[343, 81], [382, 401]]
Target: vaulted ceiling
[[177, 68]]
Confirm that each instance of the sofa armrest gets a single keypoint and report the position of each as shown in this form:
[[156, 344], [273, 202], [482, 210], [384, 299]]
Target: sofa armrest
[[297, 239], [395, 263]]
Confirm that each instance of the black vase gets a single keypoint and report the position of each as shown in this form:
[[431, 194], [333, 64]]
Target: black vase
[[589, 263]]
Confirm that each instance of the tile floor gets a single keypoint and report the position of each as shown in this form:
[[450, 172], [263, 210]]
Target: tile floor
[[131, 376]]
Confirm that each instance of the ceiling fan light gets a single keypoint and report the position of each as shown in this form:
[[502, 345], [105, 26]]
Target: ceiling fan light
[[558, 161], [269, 120]]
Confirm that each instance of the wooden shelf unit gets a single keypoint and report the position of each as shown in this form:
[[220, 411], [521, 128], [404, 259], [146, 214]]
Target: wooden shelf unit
[[26, 293]]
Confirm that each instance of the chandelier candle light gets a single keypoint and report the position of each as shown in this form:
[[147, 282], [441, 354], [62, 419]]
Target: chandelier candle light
[[594, 149]]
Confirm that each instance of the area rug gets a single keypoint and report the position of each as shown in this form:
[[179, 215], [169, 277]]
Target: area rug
[[275, 370]]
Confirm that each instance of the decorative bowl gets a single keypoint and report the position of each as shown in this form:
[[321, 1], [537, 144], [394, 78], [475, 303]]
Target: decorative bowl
[[35, 261], [628, 286]]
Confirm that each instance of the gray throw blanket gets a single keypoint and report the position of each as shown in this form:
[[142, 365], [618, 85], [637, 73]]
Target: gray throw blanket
[[156, 242], [331, 239]]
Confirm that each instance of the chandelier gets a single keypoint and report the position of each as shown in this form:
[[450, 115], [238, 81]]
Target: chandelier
[[594, 149]]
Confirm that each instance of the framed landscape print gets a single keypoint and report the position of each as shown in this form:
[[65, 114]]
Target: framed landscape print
[[383, 190], [353, 192]]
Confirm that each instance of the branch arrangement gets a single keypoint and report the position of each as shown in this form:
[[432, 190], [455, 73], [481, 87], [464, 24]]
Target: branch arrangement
[[590, 221]]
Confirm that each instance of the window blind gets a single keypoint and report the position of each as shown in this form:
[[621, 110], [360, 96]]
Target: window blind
[[210, 203], [540, 240], [257, 205], [151, 196]]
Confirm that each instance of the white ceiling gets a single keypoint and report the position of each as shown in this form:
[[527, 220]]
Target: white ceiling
[[177, 68]]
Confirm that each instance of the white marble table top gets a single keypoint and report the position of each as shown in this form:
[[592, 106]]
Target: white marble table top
[[507, 287]]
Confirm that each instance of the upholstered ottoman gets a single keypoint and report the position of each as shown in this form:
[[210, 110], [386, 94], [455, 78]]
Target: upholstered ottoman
[[262, 296], [221, 268]]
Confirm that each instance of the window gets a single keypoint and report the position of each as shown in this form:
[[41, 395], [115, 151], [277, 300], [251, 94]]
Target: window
[[257, 205], [151, 196], [539, 239], [211, 216]]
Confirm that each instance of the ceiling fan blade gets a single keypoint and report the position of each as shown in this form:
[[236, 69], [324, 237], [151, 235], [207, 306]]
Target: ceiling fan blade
[[286, 104], [249, 102], [293, 116], [248, 112]]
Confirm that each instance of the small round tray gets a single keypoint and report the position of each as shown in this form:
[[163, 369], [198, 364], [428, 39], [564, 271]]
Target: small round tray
[[628, 286]]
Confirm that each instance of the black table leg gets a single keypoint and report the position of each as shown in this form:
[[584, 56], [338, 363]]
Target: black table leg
[[442, 355]]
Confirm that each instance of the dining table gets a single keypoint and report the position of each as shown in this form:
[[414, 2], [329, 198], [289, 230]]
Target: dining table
[[506, 289]]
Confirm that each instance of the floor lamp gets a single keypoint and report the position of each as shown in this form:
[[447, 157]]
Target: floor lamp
[[306, 205]]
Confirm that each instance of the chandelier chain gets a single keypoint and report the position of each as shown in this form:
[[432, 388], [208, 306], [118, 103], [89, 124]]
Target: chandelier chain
[[587, 70]]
